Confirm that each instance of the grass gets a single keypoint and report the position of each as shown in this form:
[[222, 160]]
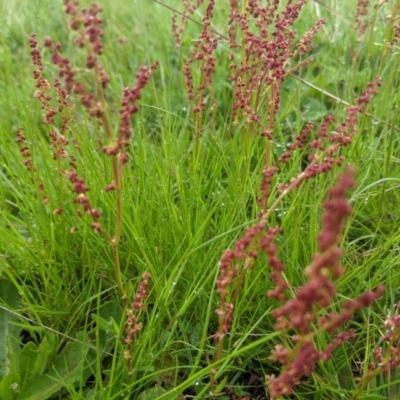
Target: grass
[[187, 197]]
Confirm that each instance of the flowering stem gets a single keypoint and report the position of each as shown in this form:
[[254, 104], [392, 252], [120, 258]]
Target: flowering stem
[[117, 179], [117, 270]]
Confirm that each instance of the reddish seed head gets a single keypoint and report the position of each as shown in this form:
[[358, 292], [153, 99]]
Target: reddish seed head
[[301, 312], [91, 61], [47, 42], [96, 227], [32, 41], [110, 187], [111, 150]]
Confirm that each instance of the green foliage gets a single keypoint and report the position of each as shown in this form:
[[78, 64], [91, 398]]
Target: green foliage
[[9, 331], [43, 371], [71, 368]]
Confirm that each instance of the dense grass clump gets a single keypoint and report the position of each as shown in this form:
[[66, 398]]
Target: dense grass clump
[[199, 199]]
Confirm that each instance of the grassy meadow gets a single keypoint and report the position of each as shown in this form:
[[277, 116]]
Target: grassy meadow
[[116, 278]]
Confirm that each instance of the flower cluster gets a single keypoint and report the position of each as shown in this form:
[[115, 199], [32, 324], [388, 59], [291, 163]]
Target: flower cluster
[[88, 24], [244, 251], [128, 108], [327, 146], [42, 94], [267, 37], [387, 356], [80, 189], [298, 144], [57, 137], [361, 16], [203, 51], [304, 46], [138, 304], [24, 149], [59, 141], [268, 247], [178, 29], [301, 313], [132, 326], [42, 85], [261, 42]]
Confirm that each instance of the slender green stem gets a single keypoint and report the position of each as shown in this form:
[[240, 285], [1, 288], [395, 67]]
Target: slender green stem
[[117, 172]]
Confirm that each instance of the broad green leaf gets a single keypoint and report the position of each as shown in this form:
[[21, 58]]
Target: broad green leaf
[[104, 325], [13, 353], [28, 358], [9, 332], [65, 372], [10, 386], [109, 317], [70, 368], [318, 394], [111, 309], [45, 351]]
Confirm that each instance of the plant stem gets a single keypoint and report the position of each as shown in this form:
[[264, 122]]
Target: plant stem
[[116, 168]]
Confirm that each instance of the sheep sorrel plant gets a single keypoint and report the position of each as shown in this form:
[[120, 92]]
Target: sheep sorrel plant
[[261, 57], [311, 301], [302, 314], [213, 245], [88, 25], [132, 326], [260, 62]]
